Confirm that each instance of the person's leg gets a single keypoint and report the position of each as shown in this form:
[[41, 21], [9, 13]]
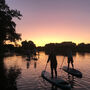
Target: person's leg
[[68, 63], [55, 69], [72, 62], [51, 72], [72, 65]]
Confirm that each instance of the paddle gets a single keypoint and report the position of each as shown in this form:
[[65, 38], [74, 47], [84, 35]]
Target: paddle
[[46, 66], [62, 63]]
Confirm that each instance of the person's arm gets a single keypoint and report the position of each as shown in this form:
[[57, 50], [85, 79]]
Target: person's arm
[[48, 59]]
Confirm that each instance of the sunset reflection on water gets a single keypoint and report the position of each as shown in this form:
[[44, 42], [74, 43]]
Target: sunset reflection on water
[[30, 77]]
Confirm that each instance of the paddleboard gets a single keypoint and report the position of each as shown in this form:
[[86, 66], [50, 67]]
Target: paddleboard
[[59, 82], [72, 71]]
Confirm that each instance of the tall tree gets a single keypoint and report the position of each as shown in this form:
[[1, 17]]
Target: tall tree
[[28, 45], [7, 25]]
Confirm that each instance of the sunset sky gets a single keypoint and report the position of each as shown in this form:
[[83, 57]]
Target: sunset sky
[[53, 21]]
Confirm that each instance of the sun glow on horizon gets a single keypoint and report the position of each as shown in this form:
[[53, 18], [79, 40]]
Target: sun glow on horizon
[[43, 42], [53, 21]]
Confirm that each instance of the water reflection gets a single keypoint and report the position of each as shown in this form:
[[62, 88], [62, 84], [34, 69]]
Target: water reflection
[[35, 64], [3, 78], [30, 72], [71, 80], [81, 54], [8, 77], [28, 60], [53, 87], [28, 64], [12, 75]]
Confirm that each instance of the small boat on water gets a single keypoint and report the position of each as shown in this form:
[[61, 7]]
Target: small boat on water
[[59, 82]]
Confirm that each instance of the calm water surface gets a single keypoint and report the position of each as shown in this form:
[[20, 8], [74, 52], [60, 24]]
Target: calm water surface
[[30, 76]]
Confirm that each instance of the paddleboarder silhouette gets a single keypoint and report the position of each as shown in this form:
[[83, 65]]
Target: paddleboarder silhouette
[[70, 59], [53, 63]]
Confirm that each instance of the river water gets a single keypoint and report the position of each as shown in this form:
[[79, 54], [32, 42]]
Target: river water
[[30, 76]]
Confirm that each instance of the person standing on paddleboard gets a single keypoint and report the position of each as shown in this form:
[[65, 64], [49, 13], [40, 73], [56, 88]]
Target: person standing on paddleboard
[[70, 59], [53, 63]]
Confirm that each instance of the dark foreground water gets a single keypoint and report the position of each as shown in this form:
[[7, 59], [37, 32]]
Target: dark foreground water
[[28, 73]]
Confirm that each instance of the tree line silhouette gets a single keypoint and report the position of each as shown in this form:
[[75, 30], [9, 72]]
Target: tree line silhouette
[[62, 48], [59, 48]]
